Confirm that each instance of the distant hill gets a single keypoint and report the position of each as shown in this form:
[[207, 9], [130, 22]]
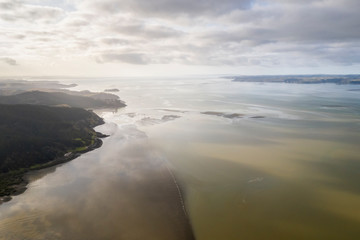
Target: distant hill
[[301, 79], [29, 92], [112, 90], [32, 135], [61, 98], [15, 86]]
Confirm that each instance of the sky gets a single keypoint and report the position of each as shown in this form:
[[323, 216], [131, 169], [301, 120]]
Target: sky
[[178, 37]]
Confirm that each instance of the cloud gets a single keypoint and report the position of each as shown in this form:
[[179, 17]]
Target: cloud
[[205, 32], [145, 31], [113, 41], [9, 61], [15, 11], [168, 8], [132, 58]]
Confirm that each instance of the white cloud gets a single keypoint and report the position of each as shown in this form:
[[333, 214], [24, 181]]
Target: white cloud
[[133, 58], [15, 11], [206, 32]]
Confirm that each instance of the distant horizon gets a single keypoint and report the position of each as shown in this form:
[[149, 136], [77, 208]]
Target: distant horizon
[[180, 76], [114, 38]]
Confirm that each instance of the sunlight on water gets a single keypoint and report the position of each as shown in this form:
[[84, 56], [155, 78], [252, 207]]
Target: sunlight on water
[[256, 161]]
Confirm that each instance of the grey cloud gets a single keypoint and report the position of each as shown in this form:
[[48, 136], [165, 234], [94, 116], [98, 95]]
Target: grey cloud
[[326, 21], [82, 44], [9, 5], [241, 29], [252, 36], [333, 25], [132, 58], [319, 24], [228, 32], [169, 8], [76, 22], [343, 54], [38, 33], [9, 61], [143, 30], [14, 11], [43, 39], [19, 36], [113, 41]]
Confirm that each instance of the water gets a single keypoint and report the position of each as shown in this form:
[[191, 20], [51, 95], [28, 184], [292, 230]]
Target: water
[[289, 168]]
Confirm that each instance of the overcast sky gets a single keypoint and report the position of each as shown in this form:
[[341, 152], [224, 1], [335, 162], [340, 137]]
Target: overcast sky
[[167, 37]]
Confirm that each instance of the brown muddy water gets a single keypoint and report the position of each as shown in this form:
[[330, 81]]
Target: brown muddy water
[[271, 161]]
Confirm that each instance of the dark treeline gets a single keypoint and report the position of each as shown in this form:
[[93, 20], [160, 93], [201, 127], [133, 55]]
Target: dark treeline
[[32, 134], [61, 98]]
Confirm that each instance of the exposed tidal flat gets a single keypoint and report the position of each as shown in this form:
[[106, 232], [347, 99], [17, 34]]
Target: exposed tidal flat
[[292, 173]]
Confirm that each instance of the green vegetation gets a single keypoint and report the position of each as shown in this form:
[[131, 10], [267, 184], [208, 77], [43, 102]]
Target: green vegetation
[[79, 149], [61, 98], [34, 135], [9, 179]]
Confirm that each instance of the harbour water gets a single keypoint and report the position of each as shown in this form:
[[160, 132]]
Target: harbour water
[[253, 160]]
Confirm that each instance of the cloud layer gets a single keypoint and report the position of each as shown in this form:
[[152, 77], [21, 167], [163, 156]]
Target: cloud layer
[[206, 32], [9, 61]]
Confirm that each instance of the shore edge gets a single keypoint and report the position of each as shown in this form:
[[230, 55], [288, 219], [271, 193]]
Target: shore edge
[[22, 186]]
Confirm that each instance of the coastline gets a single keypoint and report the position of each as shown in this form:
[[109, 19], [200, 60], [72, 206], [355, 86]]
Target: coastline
[[161, 188], [26, 175], [185, 220], [161, 194]]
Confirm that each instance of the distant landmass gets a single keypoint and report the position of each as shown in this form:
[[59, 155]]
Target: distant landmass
[[53, 93], [300, 79], [33, 136], [112, 90], [61, 98], [43, 123], [15, 86]]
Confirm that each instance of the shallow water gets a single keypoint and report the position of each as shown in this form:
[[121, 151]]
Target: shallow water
[[288, 167], [123, 190]]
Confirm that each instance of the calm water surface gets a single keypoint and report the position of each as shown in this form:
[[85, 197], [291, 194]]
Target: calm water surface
[[288, 168]]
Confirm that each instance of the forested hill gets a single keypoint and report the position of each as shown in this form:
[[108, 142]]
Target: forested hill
[[60, 98], [33, 135]]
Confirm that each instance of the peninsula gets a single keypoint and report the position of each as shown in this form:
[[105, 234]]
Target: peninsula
[[34, 137], [43, 124]]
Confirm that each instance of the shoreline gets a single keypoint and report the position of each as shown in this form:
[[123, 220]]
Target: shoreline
[[180, 189], [161, 186], [25, 176], [169, 193]]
